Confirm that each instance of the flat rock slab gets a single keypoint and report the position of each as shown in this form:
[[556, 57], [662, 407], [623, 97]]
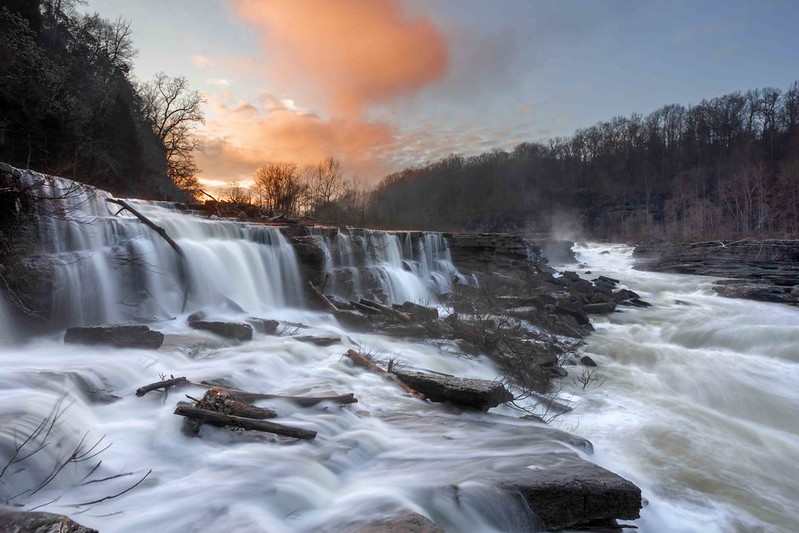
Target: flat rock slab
[[477, 393], [24, 522], [230, 330], [565, 490], [119, 336], [320, 340]]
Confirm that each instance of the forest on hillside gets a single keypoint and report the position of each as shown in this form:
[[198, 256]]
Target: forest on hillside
[[727, 167], [70, 107]]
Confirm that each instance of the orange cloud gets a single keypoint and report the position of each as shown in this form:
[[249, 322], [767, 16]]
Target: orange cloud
[[358, 52], [243, 136]]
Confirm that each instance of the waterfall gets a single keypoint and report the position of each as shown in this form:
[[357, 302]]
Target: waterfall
[[110, 267], [393, 267]]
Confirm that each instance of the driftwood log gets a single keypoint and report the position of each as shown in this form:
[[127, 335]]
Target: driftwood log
[[220, 419], [364, 362], [405, 317], [155, 227], [302, 401], [166, 384], [324, 300]]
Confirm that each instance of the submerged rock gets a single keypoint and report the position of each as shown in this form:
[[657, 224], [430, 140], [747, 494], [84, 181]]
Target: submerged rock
[[26, 522], [119, 336], [407, 523], [263, 325], [477, 393], [230, 330]]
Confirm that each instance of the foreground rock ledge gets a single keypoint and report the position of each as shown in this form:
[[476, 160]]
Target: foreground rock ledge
[[481, 394], [568, 491], [24, 522], [119, 336]]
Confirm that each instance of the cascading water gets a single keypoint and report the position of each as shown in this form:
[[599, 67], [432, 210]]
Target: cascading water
[[697, 403], [388, 266], [109, 267]]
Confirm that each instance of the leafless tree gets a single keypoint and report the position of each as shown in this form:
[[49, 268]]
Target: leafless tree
[[174, 111], [279, 188]]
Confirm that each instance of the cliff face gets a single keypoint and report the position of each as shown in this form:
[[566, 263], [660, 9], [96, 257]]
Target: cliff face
[[765, 270]]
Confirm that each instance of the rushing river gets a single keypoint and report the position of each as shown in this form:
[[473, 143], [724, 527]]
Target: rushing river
[[698, 402], [695, 398]]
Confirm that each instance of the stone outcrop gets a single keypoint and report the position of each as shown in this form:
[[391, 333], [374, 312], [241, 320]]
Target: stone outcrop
[[406, 523], [231, 330], [32, 522], [491, 252], [474, 393], [564, 490], [119, 336], [765, 270]]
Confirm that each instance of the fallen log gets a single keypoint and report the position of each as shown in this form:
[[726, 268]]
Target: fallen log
[[365, 308], [302, 401], [219, 419], [324, 300], [405, 317], [155, 227], [221, 401], [165, 384], [363, 362]]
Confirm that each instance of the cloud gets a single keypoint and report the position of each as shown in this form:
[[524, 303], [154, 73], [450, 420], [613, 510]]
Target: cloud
[[218, 81], [242, 136], [202, 61], [358, 53]]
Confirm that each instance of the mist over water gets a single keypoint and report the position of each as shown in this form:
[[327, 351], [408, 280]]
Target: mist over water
[[699, 402]]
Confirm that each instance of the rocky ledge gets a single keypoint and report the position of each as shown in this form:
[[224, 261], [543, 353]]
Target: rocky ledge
[[766, 271]]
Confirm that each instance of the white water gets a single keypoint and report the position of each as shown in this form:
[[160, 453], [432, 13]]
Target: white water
[[394, 267], [700, 406]]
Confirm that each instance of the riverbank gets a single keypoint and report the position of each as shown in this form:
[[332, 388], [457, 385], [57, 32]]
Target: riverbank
[[766, 270]]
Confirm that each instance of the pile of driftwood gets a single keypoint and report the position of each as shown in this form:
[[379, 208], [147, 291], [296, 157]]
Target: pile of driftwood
[[232, 408]]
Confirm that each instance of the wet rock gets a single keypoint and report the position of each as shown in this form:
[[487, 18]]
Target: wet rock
[[27, 522], [230, 330], [587, 361], [578, 315], [354, 320], [625, 294], [320, 340], [263, 325], [407, 523], [599, 308], [419, 312], [564, 490], [119, 336], [477, 393]]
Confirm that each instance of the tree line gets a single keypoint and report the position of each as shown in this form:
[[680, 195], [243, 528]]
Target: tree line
[[320, 190], [70, 107], [726, 167]]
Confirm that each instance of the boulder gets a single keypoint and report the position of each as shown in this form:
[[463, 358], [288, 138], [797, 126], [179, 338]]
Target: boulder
[[230, 330], [119, 336], [27, 522], [320, 340], [578, 315], [587, 361], [419, 312], [263, 325], [599, 308], [476, 393], [564, 490]]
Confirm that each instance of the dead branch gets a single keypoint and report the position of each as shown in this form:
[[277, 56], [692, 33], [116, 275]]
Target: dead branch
[[302, 401], [167, 383], [322, 298], [158, 229]]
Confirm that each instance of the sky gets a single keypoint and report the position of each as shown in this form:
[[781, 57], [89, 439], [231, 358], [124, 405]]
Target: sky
[[385, 84]]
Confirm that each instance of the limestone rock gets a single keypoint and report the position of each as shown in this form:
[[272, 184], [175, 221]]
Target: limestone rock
[[119, 336], [477, 393]]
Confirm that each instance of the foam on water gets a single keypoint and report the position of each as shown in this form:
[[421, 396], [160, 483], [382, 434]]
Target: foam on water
[[699, 402]]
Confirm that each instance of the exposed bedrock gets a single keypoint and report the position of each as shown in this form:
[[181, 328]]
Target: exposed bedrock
[[118, 336], [766, 270]]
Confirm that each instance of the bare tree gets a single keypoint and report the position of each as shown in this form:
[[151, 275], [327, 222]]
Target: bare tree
[[237, 194], [280, 188], [326, 182], [174, 111]]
